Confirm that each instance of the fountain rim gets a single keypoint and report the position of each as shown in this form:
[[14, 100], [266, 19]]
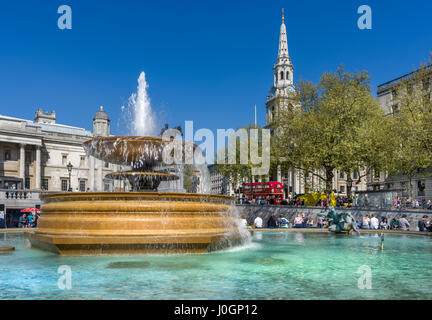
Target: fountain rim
[[144, 196], [138, 139], [129, 173]]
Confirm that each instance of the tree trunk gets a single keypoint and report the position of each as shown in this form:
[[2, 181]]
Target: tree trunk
[[329, 184], [411, 189]]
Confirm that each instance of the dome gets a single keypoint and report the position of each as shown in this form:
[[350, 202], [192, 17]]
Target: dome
[[101, 114]]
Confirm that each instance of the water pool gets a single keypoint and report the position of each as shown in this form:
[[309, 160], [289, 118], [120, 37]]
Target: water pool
[[276, 265]]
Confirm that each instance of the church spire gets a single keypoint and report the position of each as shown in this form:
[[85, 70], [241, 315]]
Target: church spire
[[283, 42]]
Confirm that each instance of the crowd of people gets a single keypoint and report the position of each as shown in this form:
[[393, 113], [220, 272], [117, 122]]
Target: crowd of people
[[344, 202], [28, 220], [400, 203], [369, 221]]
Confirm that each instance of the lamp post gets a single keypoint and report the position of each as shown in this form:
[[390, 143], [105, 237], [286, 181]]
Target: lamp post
[[69, 167], [349, 186]]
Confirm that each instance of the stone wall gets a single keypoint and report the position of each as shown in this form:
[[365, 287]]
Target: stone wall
[[265, 212]]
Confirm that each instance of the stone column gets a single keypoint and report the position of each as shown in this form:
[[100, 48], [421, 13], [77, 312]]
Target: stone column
[[38, 168], [279, 174], [91, 174], [100, 184], [22, 164]]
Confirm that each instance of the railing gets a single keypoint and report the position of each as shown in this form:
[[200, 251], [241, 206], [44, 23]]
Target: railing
[[10, 194]]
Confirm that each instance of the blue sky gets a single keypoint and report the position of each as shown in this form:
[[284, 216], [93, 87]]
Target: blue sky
[[206, 61]]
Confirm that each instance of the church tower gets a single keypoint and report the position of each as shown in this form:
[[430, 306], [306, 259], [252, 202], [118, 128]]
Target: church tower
[[282, 91], [282, 95]]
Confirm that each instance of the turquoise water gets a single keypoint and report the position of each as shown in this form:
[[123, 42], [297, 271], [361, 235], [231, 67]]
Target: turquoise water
[[278, 265]]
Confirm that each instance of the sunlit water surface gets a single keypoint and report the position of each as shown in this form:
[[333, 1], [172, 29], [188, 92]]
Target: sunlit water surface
[[279, 265]]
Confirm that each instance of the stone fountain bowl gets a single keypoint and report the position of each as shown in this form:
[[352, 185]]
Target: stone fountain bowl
[[139, 152], [135, 223]]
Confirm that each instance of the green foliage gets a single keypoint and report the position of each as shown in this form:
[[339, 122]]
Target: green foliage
[[237, 172], [188, 175], [337, 124]]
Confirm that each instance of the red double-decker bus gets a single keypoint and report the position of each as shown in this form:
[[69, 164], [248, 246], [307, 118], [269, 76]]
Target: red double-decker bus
[[272, 192]]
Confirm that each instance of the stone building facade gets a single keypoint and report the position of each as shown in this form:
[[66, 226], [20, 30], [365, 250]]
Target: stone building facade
[[422, 182], [34, 156]]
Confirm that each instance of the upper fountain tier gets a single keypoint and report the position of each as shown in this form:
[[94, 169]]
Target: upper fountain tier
[[138, 152]]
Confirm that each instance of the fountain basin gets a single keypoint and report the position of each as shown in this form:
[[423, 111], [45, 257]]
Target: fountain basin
[[135, 223]]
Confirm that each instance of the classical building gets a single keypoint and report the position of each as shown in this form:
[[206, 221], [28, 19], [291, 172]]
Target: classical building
[[380, 181], [219, 183], [282, 95], [34, 156]]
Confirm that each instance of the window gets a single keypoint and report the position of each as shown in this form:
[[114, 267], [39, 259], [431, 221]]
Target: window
[[106, 164], [342, 189], [82, 186], [82, 161], [28, 157], [355, 175], [64, 159], [395, 109], [64, 185], [27, 183], [7, 155], [342, 175], [281, 75], [377, 174], [421, 186], [287, 75], [45, 184], [106, 187]]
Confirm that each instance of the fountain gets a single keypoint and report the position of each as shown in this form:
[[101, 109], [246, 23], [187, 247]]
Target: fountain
[[141, 221]]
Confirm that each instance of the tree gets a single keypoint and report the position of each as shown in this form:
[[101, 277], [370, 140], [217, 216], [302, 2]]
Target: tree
[[241, 169], [188, 178], [336, 125]]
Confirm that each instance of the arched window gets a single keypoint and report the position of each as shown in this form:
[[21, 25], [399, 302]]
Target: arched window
[[281, 75], [287, 75]]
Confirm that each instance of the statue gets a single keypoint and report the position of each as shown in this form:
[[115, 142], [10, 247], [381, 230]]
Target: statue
[[340, 222]]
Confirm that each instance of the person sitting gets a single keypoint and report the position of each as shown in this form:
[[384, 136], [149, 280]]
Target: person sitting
[[320, 222], [22, 222], [422, 224], [244, 221], [365, 222], [298, 221], [272, 223], [258, 222], [283, 223], [403, 223], [304, 220], [394, 224], [384, 224], [374, 223], [309, 223], [30, 219]]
